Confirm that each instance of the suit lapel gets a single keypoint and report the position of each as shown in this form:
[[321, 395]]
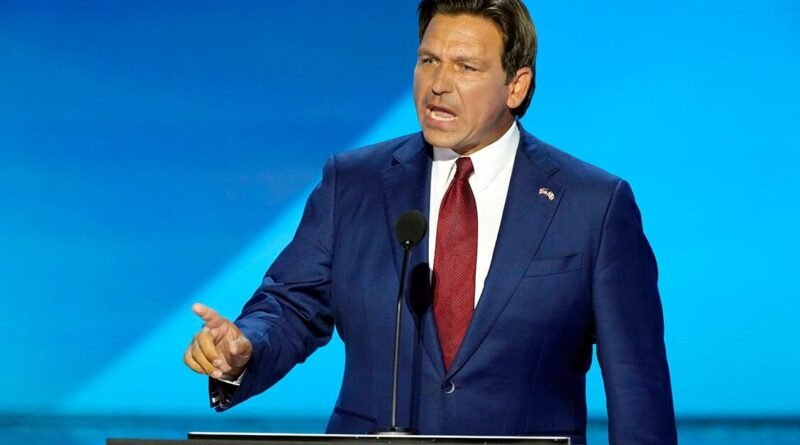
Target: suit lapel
[[406, 185], [531, 202]]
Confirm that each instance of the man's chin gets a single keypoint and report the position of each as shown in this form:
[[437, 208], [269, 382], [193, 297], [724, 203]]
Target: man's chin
[[439, 138]]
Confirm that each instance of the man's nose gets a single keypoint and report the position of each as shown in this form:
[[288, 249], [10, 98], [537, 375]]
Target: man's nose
[[442, 80]]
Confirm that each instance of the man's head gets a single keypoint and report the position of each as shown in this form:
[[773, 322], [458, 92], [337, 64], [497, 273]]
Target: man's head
[[475, 70]]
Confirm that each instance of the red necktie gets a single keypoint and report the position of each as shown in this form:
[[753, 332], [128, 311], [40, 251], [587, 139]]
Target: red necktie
[[454, 262]]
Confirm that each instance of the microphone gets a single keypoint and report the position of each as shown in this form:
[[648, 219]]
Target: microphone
[[409, 229]]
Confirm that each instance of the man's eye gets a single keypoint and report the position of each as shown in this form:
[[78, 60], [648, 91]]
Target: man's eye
[[468, 68], [426, 61]]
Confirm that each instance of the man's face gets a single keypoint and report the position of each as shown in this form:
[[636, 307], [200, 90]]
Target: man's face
[[460, 91]]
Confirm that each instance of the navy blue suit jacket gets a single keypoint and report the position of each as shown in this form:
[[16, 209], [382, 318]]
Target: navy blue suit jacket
[[568, 271]]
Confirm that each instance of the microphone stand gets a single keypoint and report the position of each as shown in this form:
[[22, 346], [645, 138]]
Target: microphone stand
[[393, 429]]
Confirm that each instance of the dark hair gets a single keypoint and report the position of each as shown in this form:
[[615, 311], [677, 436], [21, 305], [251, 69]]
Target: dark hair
[[516, 27]]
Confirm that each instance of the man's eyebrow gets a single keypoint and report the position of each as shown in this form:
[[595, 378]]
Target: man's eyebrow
[[425, 52], [422, 52], [468, 60]]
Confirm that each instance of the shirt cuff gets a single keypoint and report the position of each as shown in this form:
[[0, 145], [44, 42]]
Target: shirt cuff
[[236, 382]]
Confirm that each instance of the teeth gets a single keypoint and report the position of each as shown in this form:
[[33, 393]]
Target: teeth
[[443, 117]]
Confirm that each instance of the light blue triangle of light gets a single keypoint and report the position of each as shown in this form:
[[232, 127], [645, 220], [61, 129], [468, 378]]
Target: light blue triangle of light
[[151, 379]]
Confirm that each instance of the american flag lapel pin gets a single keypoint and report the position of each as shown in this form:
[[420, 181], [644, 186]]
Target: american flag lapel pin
[[544, 191]]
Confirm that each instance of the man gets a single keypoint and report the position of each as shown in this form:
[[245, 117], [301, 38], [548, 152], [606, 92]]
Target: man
[[532, 256]]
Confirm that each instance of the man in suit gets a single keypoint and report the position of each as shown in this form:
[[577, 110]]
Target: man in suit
[[532, 257]]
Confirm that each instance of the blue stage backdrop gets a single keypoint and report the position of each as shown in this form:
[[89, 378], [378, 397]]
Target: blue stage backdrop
[[154, 154]]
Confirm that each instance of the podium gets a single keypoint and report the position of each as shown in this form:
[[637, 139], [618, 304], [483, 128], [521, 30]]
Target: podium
[[203, 438]]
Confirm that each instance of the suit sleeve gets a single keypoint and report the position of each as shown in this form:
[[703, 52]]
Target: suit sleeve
[[630, 329], [290, 314]]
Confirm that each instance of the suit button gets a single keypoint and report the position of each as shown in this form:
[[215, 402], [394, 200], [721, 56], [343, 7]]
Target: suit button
[[448, 387]]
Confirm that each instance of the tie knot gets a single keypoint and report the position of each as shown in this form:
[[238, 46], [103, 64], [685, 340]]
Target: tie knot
[[464, 168]]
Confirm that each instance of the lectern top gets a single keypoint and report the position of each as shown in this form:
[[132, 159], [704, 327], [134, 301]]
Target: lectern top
[[361, 439]]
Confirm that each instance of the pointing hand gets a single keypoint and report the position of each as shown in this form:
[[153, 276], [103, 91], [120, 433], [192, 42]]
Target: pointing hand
[[219, 350]]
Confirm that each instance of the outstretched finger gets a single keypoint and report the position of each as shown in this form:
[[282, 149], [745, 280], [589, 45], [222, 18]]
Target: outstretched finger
[[212, 319]]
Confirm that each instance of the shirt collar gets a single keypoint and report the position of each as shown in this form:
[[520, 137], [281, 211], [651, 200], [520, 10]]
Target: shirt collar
[[488, 162]]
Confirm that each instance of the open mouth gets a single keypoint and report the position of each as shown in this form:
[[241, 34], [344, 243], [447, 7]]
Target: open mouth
[[441, 114]]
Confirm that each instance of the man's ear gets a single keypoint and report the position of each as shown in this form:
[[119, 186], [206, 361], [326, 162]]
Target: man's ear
[[518, 87]]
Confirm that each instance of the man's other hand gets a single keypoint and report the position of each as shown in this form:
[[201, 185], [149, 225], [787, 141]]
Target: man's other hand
[[219, 350]]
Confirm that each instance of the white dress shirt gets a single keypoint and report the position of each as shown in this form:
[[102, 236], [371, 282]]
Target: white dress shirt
[[489, 182]]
